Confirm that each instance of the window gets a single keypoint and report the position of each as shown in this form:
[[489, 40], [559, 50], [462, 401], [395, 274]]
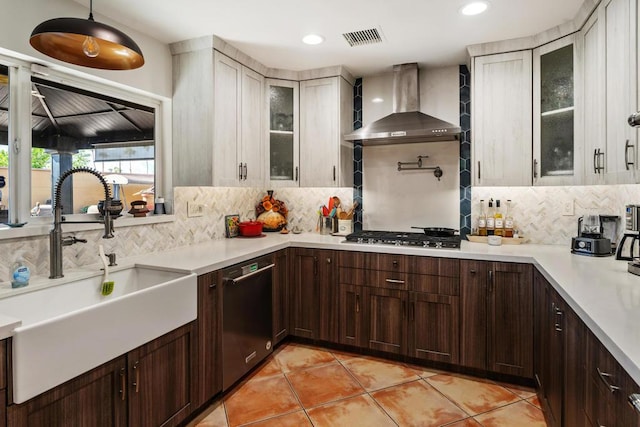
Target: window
[[52, 120], [4, 146], [74, 128]]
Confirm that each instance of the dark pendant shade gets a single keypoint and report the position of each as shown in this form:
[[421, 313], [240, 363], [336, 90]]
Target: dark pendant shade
[[63, 39]]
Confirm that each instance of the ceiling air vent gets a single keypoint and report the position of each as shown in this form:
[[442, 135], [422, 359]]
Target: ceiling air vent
[[360, 38]]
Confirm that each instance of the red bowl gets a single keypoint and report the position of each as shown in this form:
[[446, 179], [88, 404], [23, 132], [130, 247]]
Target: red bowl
[[250, 228]]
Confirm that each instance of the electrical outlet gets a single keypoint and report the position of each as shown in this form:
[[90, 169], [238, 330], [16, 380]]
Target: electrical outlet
[[567, 208], [194, 209]]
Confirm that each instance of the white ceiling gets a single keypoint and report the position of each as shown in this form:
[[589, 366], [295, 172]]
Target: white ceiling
[[430, 32]]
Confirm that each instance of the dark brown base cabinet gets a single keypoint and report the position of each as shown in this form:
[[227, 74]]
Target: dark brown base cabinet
[[497, 317], [280, 296], [209, 336], [380, 310], [152, 385], [313, 299]]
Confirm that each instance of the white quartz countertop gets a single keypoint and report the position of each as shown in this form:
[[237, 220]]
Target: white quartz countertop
[[599, 290]]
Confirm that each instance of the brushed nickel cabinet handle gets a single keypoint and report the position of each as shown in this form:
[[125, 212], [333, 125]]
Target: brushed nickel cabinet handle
[[394, 281], [535, 168], [605, 379], [245, 172], [334, 173], [136, 372], [240, 171], [212, 286], [123, 384], [357, 303], [296, 173], [595, 160], [634, 401], [478, 170], [627, 163]]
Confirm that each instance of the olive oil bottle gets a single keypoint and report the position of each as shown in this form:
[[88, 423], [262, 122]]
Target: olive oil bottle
[[499, 221], [491, 220], [482, 220], [508, 221]]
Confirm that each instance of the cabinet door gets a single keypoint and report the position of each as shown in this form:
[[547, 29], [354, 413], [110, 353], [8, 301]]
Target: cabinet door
[[97, 398], [327, 296], [304, 294], [555, 367], [227, 120], [593, 90], [283, 135], [386, 314], [502, 114], [251, 153], [326, 114], [351, 300], [473, 309], [510, 329], [434, 327], [161, 378], [209, 333], [619, 18], [280, 296], [557, 151], [574, 370]]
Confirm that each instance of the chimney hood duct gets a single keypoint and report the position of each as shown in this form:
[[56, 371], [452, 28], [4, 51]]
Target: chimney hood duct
[[406, 124]]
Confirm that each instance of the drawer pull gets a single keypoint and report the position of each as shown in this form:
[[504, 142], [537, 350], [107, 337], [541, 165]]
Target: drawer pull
[[605, 379], [136, 371], [123, 384], [634, 401], [395, 281]]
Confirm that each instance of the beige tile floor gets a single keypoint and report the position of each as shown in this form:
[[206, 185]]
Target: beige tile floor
[[301, 385]]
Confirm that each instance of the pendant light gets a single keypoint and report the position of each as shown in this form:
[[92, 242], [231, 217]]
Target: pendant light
[[87, 42]]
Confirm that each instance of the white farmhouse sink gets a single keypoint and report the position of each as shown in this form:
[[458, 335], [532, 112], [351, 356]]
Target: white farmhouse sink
[[71, 328]]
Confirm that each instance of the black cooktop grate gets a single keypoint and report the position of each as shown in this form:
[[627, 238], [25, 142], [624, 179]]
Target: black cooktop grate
[[400, 238]]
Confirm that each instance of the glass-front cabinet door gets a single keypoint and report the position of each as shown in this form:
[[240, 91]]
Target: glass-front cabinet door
[[283, 139], [557, 152]]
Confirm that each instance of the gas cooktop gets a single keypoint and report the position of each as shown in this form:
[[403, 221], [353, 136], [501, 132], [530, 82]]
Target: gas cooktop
[[401, 238]]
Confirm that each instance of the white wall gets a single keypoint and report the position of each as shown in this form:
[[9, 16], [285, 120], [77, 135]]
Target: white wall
[[396, 200], [19, 18]]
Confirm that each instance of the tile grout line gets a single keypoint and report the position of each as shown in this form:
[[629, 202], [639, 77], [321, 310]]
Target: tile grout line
[[366, 391]]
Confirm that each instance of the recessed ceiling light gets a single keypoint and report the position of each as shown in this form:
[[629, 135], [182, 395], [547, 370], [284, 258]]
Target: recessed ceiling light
[[312, 39], [377, 100], [474, 8]]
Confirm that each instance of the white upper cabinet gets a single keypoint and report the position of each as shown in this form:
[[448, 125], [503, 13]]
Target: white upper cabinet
[[610, 93], [557, 148], [501, 119], [218, 121], [326, 109], [238, 121]]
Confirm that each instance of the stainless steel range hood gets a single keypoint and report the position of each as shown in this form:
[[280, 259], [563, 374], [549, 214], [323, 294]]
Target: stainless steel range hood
[[406, 124]]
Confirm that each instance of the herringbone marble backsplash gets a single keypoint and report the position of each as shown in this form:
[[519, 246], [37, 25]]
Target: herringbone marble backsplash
[[301, 202], [537, 211]]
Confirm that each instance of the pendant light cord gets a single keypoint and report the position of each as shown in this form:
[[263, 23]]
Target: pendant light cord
[[91, 10]]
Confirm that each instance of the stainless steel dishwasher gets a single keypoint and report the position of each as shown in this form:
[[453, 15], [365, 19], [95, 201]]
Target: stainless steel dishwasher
[[246, 318]]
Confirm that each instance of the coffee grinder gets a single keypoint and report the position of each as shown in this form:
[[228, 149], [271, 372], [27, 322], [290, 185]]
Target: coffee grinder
[[596, 235]]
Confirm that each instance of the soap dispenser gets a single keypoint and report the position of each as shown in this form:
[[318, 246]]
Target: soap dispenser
[[20, 274]]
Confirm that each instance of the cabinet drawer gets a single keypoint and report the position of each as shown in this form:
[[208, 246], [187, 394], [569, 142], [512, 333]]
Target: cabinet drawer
[[373, 278], [396, 263], [608, 387], [434, 266], [363, 260], [434, 284], [357, 276], [391, 280]]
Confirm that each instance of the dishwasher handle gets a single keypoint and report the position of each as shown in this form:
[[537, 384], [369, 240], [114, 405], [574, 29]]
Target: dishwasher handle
[[253, 273]]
